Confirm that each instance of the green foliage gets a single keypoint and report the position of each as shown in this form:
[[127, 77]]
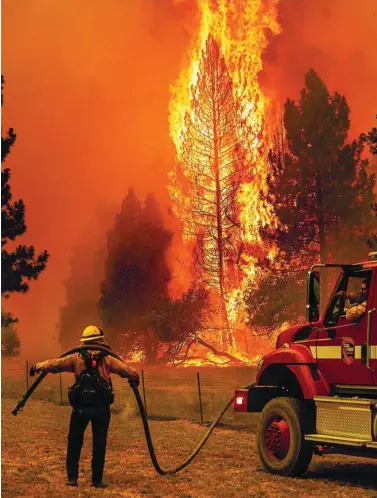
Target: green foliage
[[136, 272], [371, 139], [280, 297], [20, 265], [324, 192], [10, 342], [175, 319], [323, 196]]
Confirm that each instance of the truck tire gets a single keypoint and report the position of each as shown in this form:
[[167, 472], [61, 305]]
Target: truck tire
[[281, 444]]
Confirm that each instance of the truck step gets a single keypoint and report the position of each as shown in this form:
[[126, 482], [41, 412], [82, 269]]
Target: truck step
[[344, 441], [356, 400], [372, 445]]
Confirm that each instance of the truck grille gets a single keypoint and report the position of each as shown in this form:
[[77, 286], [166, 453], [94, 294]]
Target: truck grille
[[349, 418]]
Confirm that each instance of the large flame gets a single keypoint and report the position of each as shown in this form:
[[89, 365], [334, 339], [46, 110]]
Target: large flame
[[240, 29]]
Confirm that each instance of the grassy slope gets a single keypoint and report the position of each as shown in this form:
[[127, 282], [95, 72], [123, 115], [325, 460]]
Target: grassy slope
[[34, 446]]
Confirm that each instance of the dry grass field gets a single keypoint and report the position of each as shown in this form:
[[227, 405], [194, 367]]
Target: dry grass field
[[34, 445]]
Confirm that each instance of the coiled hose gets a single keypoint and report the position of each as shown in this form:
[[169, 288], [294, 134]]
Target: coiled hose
[[140, 404]]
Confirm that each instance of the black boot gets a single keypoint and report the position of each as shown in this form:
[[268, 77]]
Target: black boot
[[72, 482], [99, 485]]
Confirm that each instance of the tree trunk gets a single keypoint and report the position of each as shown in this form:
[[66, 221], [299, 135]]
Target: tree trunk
[[322, 236], [150, 348], [226, 334], [180, 357]]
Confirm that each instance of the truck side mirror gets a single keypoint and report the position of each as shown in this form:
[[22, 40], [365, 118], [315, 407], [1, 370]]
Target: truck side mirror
[[313, 297]]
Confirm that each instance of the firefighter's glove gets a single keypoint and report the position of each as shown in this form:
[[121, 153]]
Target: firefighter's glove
[[33, 370]]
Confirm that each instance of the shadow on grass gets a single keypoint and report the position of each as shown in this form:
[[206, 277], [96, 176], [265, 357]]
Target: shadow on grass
[[362, 475]]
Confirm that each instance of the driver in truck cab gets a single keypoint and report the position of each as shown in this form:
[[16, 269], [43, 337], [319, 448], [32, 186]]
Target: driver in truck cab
[[358, 301]]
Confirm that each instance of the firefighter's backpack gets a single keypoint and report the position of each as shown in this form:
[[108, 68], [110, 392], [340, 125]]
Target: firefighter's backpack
[[90, 390]]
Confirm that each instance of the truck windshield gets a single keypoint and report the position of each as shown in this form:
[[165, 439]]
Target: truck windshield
[[351, 283]]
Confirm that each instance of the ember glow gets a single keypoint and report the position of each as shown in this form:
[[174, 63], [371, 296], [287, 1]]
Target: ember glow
[[218, 125]]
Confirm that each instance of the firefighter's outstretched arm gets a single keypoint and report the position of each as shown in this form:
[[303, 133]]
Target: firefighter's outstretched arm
[[123, 370], [57, 365]]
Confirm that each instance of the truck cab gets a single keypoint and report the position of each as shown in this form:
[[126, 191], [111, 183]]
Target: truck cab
[[317, 391]]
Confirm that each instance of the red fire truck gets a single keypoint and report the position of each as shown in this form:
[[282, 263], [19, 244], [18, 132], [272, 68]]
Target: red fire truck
[[317, 391]]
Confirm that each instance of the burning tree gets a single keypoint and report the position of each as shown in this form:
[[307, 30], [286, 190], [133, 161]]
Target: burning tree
[[217, 122], [211, 169], [215, 164]]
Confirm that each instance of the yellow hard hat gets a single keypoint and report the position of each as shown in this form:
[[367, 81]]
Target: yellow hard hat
[[91, 333]]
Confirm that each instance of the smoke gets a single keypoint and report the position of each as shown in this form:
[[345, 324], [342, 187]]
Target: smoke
[[338, 40], [87, 92]]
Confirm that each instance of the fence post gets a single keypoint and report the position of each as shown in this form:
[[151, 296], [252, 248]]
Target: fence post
[[61, 391], [27, 375], [200, 398], [144, 397]]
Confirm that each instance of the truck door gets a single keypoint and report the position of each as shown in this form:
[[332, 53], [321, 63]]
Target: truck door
[[341, 345]]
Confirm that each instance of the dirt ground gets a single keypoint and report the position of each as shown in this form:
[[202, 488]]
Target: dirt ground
[[33, 461]]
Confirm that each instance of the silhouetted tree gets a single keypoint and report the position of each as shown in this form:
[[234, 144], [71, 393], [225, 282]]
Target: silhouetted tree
[[136, 273], [324, 189], [371, 139], [20, 265], [323, 196], [175, 319]]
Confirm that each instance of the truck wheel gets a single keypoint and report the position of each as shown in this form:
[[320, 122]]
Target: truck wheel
[[281, 444]]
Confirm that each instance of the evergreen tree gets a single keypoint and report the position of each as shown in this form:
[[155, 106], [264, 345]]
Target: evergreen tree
[[175, 319], [371, 139], [136, 273], [20, 265], [323, 196], [324, 189]]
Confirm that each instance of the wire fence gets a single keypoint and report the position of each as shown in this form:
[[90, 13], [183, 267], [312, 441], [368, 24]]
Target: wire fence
[[168, 393]]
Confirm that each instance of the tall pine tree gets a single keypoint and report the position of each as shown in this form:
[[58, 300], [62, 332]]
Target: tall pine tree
[[136, 274], [371, 139], [324, 192], [323, 197]]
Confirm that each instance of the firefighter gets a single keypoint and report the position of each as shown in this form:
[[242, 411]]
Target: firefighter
[[90, 397], [358, 301]]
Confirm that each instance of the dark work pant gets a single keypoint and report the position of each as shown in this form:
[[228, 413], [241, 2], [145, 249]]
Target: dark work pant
[[79, 421]]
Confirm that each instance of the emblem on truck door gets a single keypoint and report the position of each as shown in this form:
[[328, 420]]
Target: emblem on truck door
[[348, 350]]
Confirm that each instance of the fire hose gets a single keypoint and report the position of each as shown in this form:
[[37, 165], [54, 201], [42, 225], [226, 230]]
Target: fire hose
[[140, 404]]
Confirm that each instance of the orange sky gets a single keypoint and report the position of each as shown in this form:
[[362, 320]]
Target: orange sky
[[87, 92]]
